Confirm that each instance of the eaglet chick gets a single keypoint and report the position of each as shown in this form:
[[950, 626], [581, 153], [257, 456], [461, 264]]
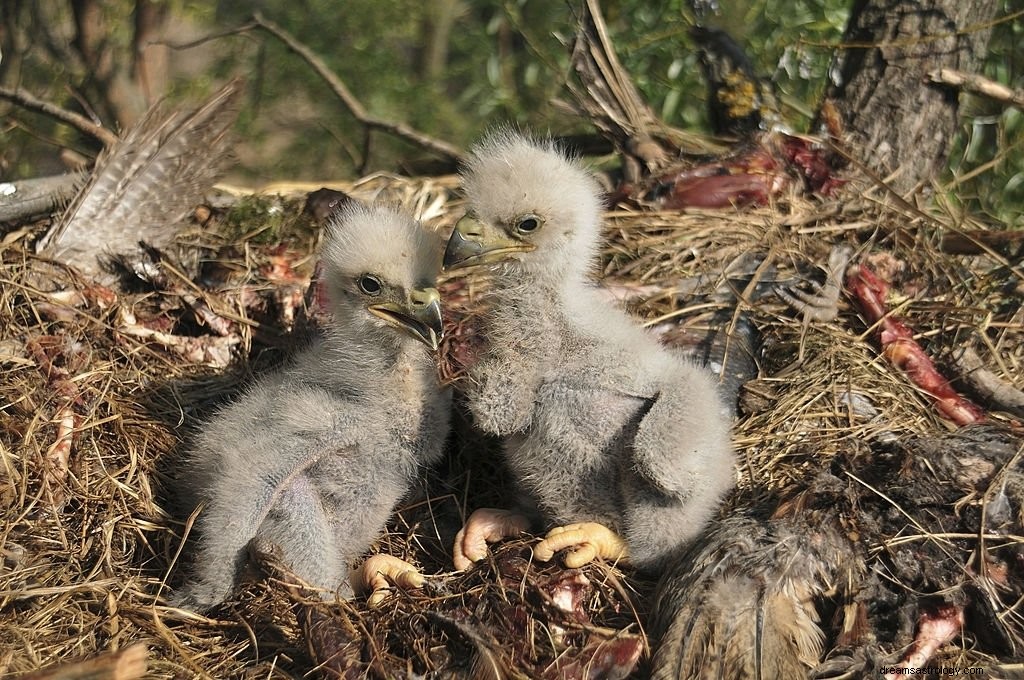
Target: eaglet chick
[[314, 457], [621, 447]]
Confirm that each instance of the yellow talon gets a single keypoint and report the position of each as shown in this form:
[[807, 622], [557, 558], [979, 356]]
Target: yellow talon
[[587, 541], [378, 572], [484, 526]]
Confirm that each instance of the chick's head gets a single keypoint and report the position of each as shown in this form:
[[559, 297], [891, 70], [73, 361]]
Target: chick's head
[[530, 206], [380, 267]]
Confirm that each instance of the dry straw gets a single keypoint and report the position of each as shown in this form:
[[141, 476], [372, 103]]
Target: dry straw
[[92, 420]]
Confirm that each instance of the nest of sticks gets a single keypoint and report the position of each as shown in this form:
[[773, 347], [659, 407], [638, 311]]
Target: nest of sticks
[[99, 391]]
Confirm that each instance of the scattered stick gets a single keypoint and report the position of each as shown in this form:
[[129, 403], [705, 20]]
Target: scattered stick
[[126, 664], [354, 106], [31, 197], [899, 346], [999, 393], [79, 122], [975, 84]]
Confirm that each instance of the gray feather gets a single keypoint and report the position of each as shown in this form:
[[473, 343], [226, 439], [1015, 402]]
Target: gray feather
[[147, 182]]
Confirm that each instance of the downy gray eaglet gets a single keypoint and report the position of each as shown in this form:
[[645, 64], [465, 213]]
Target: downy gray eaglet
[[621, 448], [315, 456]]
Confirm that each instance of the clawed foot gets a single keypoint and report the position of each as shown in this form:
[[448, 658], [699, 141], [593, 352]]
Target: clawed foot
[[822, 303], [485, 525], [376, 574], [587, 540]]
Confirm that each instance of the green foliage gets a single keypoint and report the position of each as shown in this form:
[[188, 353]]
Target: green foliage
[[502, 61], [259, 219], [987, 161]]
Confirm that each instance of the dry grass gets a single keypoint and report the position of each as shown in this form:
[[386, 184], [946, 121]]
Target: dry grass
[[92, 420]]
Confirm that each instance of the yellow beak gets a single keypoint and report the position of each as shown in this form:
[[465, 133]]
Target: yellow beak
[[421, 318], [476, 242]]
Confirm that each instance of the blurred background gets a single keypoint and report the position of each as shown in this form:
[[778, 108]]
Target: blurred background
[[448, 68]]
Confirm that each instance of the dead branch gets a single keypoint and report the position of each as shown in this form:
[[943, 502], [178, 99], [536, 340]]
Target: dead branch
[[79, 122], [979, 85], [986, 384], [354, 106], [126, 664], [980, 241], [31, 197]]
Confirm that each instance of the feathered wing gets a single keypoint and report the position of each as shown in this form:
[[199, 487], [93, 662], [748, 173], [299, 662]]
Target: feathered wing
[[741, 603], [682, 444], [146, 182]]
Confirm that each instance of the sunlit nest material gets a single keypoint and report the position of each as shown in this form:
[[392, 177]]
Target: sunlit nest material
[[94, 416]]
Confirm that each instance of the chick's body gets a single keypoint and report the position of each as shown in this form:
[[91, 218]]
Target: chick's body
[[601, 423], [315, 456]]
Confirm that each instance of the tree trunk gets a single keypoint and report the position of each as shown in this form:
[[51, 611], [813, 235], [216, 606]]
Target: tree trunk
[[894, 121], [150, 68]]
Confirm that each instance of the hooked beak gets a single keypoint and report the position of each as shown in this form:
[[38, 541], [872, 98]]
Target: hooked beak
[[475, 242], [421, 318]]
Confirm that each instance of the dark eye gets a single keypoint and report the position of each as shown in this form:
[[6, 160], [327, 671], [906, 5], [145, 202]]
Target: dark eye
[[527, 224], [369, 284]]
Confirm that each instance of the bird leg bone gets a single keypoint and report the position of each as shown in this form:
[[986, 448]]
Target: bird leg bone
[[587, 540], [375, 576], [899, 347], [485, 525], [935, 629]]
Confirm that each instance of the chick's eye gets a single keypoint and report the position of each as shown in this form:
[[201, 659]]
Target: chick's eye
[[527, 224], [369, 284]]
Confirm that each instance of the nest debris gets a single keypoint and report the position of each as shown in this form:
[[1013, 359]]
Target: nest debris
[[93, 419]]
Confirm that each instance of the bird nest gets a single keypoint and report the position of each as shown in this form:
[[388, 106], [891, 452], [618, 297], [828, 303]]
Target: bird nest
[[99, 391]]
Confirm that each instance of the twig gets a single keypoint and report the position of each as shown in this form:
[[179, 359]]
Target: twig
[[238, 30], [986, 384], [126, 664], [354, 106], [975, 84], [79, 122]]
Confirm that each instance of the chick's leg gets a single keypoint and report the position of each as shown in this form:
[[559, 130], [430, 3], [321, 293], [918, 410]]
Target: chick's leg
[[485, 525], [587, 540], [375, 576], [299, 525]]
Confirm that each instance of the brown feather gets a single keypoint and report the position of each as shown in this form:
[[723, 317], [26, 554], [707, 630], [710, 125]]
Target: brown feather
[[742, 602]]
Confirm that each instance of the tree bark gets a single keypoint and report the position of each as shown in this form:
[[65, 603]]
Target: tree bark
[[150, 63], [895, 121]]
